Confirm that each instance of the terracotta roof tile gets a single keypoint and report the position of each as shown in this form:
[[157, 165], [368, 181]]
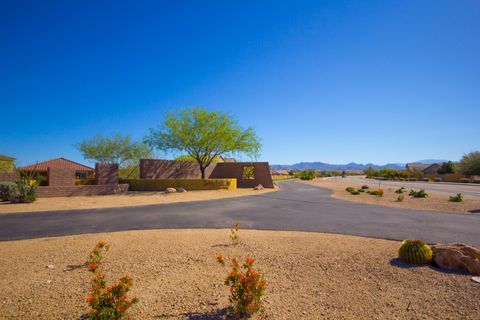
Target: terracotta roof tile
[[57, 163]]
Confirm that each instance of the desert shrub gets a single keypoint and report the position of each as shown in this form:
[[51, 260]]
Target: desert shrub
[[400, 190], [446, 167], [469, 165], [418, 194], [400, 198], [307, 175], [364, 187], [246, 289], [107, 303], [353, 190], [415, 251], [361, 190], [8, 189], [350, 189], [234, 233], [456, 198], [464, 180], [27, 186], [378, 193]]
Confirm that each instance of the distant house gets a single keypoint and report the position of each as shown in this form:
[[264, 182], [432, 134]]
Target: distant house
[[275, 172], [223, 159], [81, 171], [432, 169], [416, 166], [6, 163]]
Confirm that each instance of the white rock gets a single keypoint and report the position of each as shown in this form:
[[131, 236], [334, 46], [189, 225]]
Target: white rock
[[170, 190], [476, 279], [49, 266], [259, 187], [181, 190]]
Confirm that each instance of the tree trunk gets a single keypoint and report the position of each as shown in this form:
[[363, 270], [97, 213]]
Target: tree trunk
[[202, 170]]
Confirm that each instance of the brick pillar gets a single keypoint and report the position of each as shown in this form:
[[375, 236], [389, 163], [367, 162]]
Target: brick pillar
[[61, 177], [106, 173]]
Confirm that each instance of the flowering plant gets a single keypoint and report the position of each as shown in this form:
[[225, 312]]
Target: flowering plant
[[106, 302], [246, 288]]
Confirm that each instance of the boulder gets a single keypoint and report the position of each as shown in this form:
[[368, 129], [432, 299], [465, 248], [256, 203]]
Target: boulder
[[259, 187], [457, 257], [181, 190], [170, 190]]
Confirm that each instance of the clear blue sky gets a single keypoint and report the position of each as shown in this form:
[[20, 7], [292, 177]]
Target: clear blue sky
[[334, 81]]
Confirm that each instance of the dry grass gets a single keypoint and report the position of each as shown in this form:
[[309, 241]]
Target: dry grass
[[434, 201], [123, 200], [310, 276]]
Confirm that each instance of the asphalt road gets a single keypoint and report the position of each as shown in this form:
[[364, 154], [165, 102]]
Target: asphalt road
[[471, 190], [294, 207]]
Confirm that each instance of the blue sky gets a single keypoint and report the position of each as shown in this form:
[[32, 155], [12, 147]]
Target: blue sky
[[333, 81]]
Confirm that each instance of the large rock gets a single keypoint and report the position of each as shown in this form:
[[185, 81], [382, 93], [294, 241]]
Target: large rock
[[181, 189], [259, 187], [457, 257], [170, 190]]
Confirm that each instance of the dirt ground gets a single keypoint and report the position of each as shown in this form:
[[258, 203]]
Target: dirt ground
[[123, 200], [309, 276], [434, 201]]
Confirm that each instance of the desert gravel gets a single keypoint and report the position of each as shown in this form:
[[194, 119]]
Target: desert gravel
[[310, 276], [434, 201]]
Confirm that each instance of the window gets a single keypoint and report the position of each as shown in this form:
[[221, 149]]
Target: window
[[248, 172]]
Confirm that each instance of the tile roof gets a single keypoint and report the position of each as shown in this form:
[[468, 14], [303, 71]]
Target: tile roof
[[417, 166], [57, 163], [4, 157]]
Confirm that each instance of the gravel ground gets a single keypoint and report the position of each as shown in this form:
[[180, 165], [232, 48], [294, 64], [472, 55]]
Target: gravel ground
[[132, 198], [309, 276], [434, 201]]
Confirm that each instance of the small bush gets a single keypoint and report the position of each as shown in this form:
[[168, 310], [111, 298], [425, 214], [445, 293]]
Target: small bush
[[418, 194], [378, 193], [8, 190], [246, 289], [307, 175], [26, 191], [353, 191], [400, 198], [234, 233], [415, 251], [361, 190], [401, 190], [364, 187], [456, 198], [107, 302]]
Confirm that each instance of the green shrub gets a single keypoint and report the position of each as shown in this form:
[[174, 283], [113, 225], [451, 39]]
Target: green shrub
[[456, 198], [307, 175], [350, 189], [378, 193], [7, 190], [418, 194], [361, 190], [415, 251], [401, 198], [401, 190], [353, 190]]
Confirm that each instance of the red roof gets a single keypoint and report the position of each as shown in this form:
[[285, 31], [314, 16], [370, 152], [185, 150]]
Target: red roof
[[57, 163]]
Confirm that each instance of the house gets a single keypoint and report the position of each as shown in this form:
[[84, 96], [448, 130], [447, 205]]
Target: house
[[432, 169], [6, 163], [275, 172], [416, 166], [41, 168]]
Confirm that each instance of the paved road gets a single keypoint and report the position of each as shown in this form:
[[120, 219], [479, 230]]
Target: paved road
[[294, 207], [471, 190]]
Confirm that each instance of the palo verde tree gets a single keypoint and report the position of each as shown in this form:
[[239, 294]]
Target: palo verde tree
[[204, 136], [118, 149]]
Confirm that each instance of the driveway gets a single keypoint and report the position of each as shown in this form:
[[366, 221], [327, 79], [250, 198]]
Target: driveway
[[294, 207]]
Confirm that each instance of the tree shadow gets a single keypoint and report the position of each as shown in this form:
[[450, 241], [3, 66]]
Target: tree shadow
[[220, 314], [72, 267]]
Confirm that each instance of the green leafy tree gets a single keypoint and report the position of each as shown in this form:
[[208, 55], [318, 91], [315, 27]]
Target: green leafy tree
[[469, 165], [446, 167], [370, 172], [204, 136], [118, 149]]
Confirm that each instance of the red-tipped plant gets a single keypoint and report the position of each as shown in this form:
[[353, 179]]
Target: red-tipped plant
[[106, 302]]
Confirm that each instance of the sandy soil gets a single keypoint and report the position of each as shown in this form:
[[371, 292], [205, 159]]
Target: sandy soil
[[123, 200], [309, 276], [434, 201]]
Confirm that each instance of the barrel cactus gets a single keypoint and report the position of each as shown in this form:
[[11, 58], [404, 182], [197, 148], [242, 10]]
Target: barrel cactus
[[415, 251]]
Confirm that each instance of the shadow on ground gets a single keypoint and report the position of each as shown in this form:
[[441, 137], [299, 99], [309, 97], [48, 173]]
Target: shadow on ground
[[213, 315]]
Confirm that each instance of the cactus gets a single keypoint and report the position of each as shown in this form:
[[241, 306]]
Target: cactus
[[415, 251]]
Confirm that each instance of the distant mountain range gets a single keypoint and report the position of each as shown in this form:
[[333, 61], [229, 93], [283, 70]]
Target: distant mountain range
[[349, 166]]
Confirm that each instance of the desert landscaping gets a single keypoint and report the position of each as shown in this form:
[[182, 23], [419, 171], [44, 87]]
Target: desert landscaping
[[132, 198], [175, 276], [434, 201]]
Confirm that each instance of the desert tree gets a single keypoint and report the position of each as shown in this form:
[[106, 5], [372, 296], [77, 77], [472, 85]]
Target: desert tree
[[204, 136], [119, 149], [469, 165]]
